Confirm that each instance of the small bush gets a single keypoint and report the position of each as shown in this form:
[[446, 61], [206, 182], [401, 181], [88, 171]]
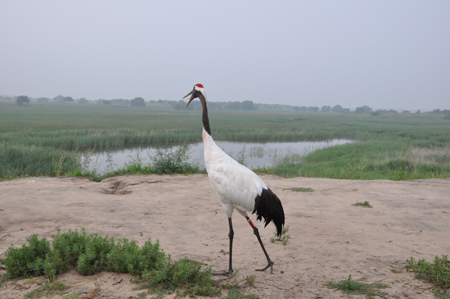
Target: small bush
[[27, 260], [167, 161], [93, 259]]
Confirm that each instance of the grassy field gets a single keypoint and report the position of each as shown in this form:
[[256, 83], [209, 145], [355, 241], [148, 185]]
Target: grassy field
[[44, 138]]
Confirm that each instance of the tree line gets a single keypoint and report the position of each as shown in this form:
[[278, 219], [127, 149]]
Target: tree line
[[232, 105]]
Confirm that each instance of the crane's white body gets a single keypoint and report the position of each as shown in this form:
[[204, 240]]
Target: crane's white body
[[235, 185]]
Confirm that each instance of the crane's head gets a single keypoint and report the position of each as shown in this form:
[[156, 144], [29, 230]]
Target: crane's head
[[196, 92]]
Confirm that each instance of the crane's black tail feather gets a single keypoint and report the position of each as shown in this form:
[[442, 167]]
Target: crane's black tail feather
[[268, 205]]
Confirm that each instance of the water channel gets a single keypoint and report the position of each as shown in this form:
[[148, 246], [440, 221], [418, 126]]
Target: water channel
[[254, 154]]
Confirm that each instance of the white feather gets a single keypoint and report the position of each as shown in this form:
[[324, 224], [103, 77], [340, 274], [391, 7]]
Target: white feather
[[235, 185]]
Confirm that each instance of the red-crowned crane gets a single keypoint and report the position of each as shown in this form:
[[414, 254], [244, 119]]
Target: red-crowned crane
[[236, 186]]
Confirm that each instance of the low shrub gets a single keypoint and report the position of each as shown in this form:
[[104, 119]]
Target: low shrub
[[90, 254]]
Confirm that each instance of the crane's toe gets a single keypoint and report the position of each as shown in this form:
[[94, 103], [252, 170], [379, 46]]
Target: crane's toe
[[225, 273], [270, 264]]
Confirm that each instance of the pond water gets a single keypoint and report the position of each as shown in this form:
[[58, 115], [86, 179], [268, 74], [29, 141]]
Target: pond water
[[254, 154]]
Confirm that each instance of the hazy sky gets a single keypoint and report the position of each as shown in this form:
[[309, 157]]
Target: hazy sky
[[385, 54]]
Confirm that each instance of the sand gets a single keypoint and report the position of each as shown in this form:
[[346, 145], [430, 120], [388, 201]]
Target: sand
[[330, 238]]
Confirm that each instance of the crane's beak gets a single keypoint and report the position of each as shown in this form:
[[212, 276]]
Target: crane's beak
[[193, 96]]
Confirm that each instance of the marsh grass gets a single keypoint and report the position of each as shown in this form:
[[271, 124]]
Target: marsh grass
[[369, 160], [42, 139]]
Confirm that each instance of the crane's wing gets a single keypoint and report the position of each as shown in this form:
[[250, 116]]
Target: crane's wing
[[233, 183]]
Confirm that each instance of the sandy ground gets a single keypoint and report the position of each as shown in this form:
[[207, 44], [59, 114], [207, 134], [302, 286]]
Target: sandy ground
[[330, 238]]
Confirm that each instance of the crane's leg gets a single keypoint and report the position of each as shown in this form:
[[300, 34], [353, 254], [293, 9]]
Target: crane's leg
[[269, 261], [230, 235]]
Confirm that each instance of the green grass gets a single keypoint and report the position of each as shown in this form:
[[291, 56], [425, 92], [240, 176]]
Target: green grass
[[354, 287], [45, 139], [154, 270], [283, 238], [362, 204], [437, 273]]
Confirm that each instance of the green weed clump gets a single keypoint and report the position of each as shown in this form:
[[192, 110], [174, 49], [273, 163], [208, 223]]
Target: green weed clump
[[362, 204], [283, 238], [90, 254], [353, 287], [437, 273]]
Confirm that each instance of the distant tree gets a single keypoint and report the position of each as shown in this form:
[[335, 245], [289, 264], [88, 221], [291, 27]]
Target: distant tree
[[179, 105], [418, 111], [194, 105], [248, 105], [436, 111], [392, 111], [119, 102], [59, 98], [363, 109], [376, 113], [337, 108], [325, 109], [138, 102], [406, 111], [83, 101], [68, 99], [42, 100], [8, 99], [233, 105], [21, 100], [106, 102], [214, 106], [313, 109]]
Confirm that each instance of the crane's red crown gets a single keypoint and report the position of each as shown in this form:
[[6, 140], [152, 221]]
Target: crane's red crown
[[199, 85]]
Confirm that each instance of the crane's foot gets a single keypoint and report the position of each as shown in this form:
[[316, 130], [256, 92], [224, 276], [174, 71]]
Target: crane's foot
[[225, 273], [270, 264]]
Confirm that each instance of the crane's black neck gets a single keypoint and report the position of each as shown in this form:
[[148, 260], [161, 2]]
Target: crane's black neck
[[205, 118]]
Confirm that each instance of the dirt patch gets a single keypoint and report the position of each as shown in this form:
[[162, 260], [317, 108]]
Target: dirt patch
[[116, 188], [329, 238]]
